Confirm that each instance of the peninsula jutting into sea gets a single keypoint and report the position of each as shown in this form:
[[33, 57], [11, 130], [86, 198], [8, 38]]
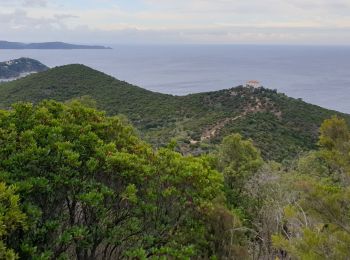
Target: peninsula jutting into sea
[[48, 46], [17, 68]]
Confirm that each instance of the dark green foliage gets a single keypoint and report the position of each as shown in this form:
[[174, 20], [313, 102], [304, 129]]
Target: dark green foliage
[[91, 189], [238, 160], [82, 185], [318, 218], [78, 184], [280, 126]]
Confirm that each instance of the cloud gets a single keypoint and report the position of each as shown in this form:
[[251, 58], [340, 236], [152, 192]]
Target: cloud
[[180, 21], [35, 3], [19, 19], [24, 3]]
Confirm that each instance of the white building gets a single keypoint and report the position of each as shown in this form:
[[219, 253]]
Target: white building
[[253, 84]]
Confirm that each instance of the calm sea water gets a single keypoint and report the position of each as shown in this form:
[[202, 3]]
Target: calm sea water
[[319, 75]]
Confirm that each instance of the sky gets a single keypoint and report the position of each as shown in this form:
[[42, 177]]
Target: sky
[[324, 22]]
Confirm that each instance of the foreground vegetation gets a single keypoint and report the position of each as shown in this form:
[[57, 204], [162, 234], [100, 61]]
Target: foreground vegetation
[[91, 189], [281, 127], [77, 184]]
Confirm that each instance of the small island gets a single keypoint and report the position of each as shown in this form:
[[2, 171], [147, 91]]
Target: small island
[[48, 46], [18, 68]]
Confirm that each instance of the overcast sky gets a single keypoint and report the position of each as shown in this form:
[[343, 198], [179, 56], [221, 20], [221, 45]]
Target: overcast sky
[[177, 21]]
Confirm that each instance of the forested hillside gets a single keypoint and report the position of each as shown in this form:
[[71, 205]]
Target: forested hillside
[[280, 126], [77, 184]]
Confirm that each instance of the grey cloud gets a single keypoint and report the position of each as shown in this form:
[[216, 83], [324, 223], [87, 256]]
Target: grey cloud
[[84, 34], [329, 7], [20, 19], [35, 3], [24, 3], [262, 21], [65, 16], [286, 8]]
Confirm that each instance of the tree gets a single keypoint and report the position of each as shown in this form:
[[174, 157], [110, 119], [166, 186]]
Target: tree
[[318, 220], [335, 147], [93, 190], [12, 219], [334, 134], [238, 160], [268, 192]]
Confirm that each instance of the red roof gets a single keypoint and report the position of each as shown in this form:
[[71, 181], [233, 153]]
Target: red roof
[[253, 82]]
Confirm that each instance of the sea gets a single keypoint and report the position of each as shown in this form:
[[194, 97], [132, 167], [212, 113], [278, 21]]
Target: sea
[[317, 74]]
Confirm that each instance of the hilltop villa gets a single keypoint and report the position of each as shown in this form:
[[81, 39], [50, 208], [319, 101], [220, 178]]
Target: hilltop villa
[[253, 84]]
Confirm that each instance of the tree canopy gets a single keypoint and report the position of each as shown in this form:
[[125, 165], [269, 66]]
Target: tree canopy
[[91, 189], [78, 184], [318, 218]]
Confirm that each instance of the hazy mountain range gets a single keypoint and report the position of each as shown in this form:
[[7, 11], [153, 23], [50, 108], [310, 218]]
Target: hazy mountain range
[[47, 45]]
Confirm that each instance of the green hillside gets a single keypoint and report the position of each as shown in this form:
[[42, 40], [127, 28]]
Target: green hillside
[[280, 126]]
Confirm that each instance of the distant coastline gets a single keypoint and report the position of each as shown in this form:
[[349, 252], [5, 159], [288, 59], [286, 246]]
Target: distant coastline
[[318, 75], [18, 68], [48, 46]]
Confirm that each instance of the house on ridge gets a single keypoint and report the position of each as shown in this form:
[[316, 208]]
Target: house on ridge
[[253, 84]]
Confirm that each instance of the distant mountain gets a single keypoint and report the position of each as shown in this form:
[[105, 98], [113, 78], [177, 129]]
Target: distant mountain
[[19, 67], [47, 45], [280, 126]]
